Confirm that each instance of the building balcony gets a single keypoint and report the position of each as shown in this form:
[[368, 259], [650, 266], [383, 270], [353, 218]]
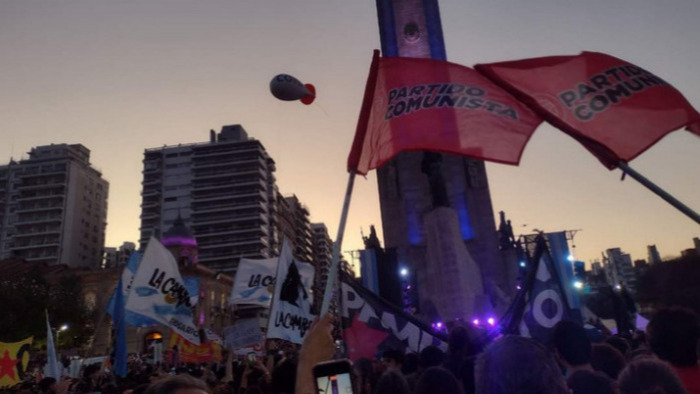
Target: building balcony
[[149, 216], [151, 204], [203, 233], [35, 245], [41, 196], [51, 173], [151, 192], [36, 232], [223, 150], [40, 208], [233, 188], [147, 183], [42, 258], [42, 219], [202, 210], [40, 186], [230, 219], [227, 172], [233, 243], [202, 198]]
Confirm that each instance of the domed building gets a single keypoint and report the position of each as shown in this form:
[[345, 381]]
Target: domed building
[[181, 243]]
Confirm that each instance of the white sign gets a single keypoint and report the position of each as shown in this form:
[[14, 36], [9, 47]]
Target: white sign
[[255, 282], [244, 333], [159, 292], [290, 316]]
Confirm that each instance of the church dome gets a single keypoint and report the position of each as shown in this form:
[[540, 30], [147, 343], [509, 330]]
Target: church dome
[[178, 235]]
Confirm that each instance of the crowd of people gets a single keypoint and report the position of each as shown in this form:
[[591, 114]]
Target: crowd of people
[[662, 360]]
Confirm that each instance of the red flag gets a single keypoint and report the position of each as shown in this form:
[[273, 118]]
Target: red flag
[[423, 104], [615, 109]]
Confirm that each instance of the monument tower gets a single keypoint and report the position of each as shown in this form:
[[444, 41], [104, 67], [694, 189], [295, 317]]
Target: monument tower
[[436, 208]]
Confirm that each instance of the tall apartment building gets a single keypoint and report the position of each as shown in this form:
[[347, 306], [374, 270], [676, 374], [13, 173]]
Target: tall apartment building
[[322, 255], [224, 190], [53, 207], [653, 256], [619, 269], [294, 225]]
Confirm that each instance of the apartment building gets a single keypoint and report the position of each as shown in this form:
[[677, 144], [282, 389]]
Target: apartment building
[[224, 190], [53, 207]]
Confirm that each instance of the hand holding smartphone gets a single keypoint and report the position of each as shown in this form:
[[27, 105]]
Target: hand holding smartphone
[[251, 358], [333, 377]]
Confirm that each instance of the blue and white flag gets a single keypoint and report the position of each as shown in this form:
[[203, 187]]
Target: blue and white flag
[[119, 332], [127, 278], [254, 283], [52, 369], [159, 292], [290, 314]]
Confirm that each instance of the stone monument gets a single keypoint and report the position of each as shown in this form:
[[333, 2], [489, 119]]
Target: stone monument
[[436, 208]]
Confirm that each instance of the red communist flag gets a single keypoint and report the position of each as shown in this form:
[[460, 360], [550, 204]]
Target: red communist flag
[[423, 104], [615, 109]]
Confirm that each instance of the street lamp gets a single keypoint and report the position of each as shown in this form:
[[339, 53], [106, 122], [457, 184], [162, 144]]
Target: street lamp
[[58, 332]]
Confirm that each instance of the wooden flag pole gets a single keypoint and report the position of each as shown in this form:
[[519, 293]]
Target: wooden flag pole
[[333, 273], [659, 191]]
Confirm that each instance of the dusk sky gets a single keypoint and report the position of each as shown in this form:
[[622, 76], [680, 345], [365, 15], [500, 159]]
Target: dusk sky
[[122, 76]]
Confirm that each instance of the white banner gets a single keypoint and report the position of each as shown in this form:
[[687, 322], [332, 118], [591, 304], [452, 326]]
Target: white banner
[[243, 333], [290, 317], [255, 282], [159, 292]]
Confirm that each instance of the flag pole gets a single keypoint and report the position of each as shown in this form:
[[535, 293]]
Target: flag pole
[[659, 191], [333, 273]]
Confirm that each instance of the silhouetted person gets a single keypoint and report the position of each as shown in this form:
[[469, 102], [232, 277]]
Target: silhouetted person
[[649, 376], [572, 346], [393, 360], [673, 337], [461, 356], [589, 382], [438, 380], [180, 384], [392, 382], [607, 359], [517, 365]]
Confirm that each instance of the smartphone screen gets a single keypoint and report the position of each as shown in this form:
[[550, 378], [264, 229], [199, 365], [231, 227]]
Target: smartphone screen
[[251, 358], [334, 384], [334, 377]]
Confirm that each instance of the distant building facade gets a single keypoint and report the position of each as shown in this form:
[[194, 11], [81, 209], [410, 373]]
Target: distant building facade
[[294, 225], [53, 207], [224, 190], [653, 256], [322, 256], [117, 257], [619, 269]]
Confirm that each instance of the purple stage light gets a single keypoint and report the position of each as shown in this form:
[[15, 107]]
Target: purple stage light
[[491, 321], [475, 322]]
